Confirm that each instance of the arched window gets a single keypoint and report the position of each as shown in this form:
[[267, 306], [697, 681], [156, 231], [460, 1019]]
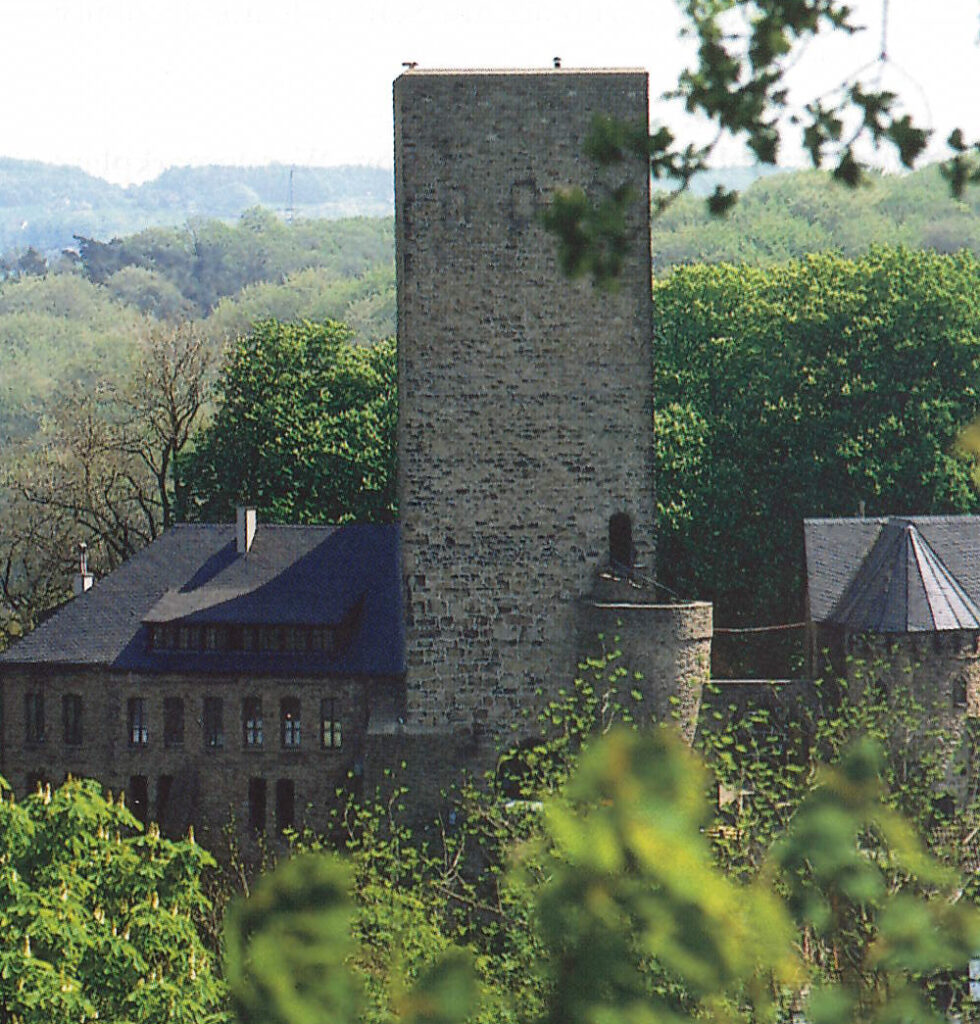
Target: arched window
[[621, 540]]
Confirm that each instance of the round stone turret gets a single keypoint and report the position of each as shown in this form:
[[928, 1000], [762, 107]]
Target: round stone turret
[[668, 645]]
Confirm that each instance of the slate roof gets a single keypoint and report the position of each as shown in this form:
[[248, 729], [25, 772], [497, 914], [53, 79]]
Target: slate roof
[[896, 575], [292, 575]]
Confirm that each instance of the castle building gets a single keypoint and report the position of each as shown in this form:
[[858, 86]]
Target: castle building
[[292, 656], [525, 432], [224, 673], [897, 599]]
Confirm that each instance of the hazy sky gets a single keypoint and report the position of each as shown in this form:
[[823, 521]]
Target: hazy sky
[[125, 88]]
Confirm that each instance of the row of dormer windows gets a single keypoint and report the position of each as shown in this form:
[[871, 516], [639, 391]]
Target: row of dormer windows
[[287, 639], [212, 721]]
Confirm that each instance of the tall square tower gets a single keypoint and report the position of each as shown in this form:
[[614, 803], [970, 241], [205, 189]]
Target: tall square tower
[[525, 399]]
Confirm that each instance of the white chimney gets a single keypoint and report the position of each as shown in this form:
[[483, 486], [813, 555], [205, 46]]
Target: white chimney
[[83, 578], [245, 522]]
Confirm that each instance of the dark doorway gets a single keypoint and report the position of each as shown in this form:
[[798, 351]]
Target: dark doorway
[[139, 797], [285, 804], [621, 540], [256, 804]]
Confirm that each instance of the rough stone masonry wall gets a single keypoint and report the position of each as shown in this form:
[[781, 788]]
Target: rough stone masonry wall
[[941, 672], [525, 404], [666, 650], [210, 784]]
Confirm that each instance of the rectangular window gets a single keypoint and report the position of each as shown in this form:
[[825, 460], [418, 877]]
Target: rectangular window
[[214, 730], [285, 804], [295, 639], [289, 721], [173, 721], [136, 722], [34, 717], [71, 718], [322, 639], [330, 736], [256, 804], [271, 638], [138, 797], [252, 722], [210, 638]]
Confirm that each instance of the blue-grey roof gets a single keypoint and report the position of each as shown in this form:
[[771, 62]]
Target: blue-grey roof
[[292, 575], [896, 575]]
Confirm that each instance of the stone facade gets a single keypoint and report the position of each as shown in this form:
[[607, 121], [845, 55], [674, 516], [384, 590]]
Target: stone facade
[[525, 400], [666, 648], [940, 669], [193, 778]]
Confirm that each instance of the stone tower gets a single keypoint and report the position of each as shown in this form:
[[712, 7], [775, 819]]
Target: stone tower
[[525, 399]]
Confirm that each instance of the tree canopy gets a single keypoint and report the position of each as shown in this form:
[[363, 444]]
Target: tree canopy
[[804, 390], [303, 430], [100, 920]]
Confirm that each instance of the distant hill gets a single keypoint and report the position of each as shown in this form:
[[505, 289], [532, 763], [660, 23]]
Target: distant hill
[[44, 205]]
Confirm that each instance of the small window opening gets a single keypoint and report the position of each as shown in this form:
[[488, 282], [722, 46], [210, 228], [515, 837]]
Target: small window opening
[[173, 721], [285, 804], [71, 718], [959, 693], [214, 731], [138, 797], [330, 731], [136, 725], [256, 804], [252, 722], [621, 540], [34, 717], [290, 721]]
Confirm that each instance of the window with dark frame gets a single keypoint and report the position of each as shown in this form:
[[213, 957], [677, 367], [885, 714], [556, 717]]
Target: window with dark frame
[[256, 804], [289, 711], [71, 719], [34, 717], [136, 722], [330, 734], [173, 721], [959, 692], [252, 721], [214, 732], [285, 804], [138, 797]]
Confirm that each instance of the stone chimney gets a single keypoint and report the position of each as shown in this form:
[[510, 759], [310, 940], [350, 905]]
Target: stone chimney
[[83, 578], [245, 522]]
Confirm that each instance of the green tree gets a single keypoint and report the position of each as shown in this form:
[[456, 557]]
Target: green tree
[[848, 918], [803, 390], [304, 428], [100, 920]]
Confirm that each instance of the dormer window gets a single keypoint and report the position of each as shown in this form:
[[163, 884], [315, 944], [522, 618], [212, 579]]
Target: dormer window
[[216, 637]]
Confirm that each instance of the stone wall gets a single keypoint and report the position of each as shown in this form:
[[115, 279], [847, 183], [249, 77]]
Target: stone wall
[[210, 784], [666, 648], [525, 400]]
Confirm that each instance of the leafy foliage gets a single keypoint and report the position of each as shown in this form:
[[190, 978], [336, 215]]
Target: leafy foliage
[[100, 921], [745, 49], [304, 429], [801, 391], [615, 905]]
